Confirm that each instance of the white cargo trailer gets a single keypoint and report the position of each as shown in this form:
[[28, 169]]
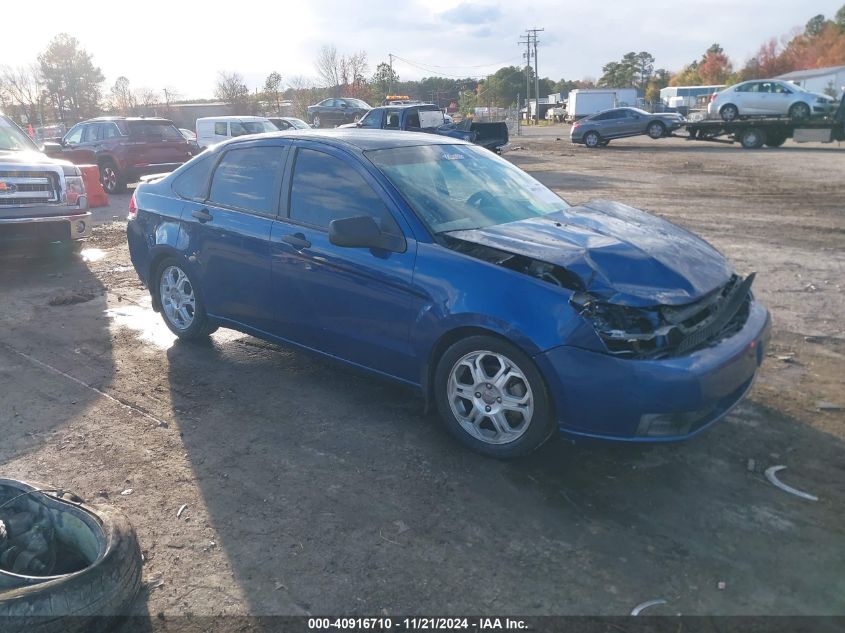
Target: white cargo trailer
[[586, 102]]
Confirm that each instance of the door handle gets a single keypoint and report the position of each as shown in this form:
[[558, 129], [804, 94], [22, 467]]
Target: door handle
[[202, 215], [297, 240]]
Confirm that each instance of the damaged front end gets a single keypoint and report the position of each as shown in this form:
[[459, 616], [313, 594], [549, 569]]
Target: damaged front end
[[665, 331]]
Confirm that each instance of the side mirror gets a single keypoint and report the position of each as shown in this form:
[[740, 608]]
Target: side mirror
[[50, 146], [363, 232]]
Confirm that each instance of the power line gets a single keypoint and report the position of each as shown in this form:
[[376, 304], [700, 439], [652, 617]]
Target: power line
[[529, 39]]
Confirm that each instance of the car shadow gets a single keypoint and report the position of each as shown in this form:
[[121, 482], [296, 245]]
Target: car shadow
[[331, 492]]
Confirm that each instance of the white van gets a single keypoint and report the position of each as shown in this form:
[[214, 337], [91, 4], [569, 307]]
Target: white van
[[213, 129]]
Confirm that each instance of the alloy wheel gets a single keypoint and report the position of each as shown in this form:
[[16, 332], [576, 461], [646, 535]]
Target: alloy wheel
[[490, 397], [177, 297]]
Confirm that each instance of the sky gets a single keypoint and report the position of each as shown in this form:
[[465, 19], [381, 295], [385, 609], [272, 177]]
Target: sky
[[183, 44]]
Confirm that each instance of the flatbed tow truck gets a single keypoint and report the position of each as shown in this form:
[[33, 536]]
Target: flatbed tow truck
[[753, 133]]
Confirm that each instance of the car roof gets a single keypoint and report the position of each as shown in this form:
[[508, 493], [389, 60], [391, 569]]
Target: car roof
[[408, 106], [233, 117], [357, 139], [155, 119]]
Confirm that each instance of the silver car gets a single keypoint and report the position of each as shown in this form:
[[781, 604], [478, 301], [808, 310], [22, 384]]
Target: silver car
[[768, 97], [597, 130]]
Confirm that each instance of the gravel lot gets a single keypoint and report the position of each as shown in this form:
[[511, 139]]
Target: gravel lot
[[313, 489]]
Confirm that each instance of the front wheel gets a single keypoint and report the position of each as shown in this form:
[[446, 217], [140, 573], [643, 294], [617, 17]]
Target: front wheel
[[592, 139], [492, 397], [799, 112], [181, 301], [656, 130]]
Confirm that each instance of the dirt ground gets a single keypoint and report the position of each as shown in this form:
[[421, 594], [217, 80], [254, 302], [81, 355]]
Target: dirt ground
[[313, 489]]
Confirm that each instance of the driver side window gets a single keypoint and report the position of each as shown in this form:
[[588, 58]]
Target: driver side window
[[324, 188]]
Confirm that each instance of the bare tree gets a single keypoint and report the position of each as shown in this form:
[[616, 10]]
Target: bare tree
[[21, 87], [302, 93], [354, 69], [121, 97], [329, 68], [146, 98], [231, 87]]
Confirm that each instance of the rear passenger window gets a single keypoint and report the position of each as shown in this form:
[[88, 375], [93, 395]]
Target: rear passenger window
[[220, 129], [192, 183], [246, 179], [324, 188]]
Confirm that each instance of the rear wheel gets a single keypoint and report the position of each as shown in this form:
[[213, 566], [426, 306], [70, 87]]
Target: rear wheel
[[492, 397], [113, 181], [752, 138], [656, 130], [729, 112], [181, 301], [592, 139], [316, 121], [799, 112]]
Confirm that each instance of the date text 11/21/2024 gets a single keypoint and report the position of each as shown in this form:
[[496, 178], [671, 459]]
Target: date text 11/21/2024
[[417, 624]]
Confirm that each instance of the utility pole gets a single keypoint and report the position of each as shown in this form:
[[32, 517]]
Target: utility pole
[[390, 89], [526, 39], [536, 73]]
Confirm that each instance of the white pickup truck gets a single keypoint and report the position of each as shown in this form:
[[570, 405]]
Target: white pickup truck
[[42, 199]]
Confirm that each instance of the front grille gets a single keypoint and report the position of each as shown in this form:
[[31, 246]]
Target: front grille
[[23, 187]]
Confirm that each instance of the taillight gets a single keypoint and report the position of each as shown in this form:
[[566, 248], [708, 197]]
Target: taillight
[[713, 96], [133, 210]]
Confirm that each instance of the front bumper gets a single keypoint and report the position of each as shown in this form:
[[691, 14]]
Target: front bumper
[[603, 396], [72, 226]]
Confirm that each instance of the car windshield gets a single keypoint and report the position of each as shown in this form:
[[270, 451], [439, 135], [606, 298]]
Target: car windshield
[[12, 138], [357, 103], [455, 187]]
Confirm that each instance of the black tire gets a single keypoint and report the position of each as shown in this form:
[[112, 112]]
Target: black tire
[[113, 181], [542, 422], [799, 111], [752, 138], [729, 112], [91, 600], [316, 122], [200, 327], [775, 140], [592, 139], [656, 130]]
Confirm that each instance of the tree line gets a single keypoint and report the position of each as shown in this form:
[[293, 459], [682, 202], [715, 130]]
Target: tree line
[[64, 85]]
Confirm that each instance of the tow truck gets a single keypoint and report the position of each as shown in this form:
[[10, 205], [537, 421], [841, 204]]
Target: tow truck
[[753, 133]]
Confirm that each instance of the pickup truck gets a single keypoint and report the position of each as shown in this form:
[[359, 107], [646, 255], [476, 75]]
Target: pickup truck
[[429, 118], [42, 199]]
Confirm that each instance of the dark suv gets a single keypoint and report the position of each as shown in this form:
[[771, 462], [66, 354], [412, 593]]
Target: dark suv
[[124, 148]]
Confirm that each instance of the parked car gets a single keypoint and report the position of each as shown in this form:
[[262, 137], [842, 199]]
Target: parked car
[[289, 123], [214, 129], [331, 112], [42, 199], [124, 148], [442, 266], [769, 97], [191, 137], [599, 129]]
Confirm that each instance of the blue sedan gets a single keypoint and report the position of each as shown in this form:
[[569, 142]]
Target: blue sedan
[[437, 264]]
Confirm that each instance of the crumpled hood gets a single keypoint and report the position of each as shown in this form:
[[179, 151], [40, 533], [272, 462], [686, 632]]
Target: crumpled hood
[[621, 254], [29, 158]]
